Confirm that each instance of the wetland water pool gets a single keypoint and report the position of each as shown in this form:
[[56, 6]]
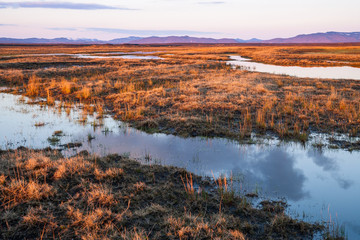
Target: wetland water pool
[[103, 55], [306, 72], [125, 56], [316, 183]]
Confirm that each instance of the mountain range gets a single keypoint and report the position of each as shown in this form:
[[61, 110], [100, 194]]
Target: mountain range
[[183, 39], [328, 37]]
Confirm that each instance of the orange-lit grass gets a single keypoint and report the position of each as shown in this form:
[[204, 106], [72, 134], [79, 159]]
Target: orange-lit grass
[[189, 94]]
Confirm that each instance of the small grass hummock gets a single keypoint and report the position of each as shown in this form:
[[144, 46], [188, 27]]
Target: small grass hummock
[[46, 196]]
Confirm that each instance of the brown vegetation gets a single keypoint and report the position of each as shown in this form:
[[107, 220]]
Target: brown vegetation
[[191, 92], [46, 196]]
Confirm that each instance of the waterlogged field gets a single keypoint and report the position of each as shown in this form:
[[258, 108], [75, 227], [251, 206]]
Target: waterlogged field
[[192, 91], [299, 174]]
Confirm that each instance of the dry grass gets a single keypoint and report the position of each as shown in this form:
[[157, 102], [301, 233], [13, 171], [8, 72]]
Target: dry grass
[[46, 196], [192, 93]]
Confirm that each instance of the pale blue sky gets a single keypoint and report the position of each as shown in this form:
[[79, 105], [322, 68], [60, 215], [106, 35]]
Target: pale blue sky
[[109, 19]]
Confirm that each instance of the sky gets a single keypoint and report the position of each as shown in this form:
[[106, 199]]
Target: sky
[[109, 19]]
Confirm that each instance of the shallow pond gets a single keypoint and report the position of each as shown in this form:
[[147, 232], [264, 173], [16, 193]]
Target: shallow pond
[[104, 55], [129, 56], [316, 183], [126, 53], [306, 72]]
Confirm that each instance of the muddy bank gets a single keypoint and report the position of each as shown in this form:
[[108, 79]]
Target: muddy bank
[[117, 198]]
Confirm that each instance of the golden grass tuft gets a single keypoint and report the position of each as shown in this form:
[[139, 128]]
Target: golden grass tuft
[[2, 179], [60, 171], [100, 195], [33, 86], [36, 162], [69, 167], [110, 173], [20, 191], [139, 186], [66, 86], [84, 93]]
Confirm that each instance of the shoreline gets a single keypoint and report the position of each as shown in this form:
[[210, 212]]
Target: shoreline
[[87, 196], [190, 129]]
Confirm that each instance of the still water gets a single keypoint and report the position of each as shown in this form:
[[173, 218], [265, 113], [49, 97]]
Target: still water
[[316, 183], [305, 72], [126, 56], [122, 55]]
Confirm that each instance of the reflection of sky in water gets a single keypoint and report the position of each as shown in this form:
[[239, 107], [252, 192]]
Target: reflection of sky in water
[[307, 72], [122, 56], [311, 180], [104, 55]]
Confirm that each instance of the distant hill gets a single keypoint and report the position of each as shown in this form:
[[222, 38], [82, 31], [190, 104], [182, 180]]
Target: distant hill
[[128, 40], [49, 41], [123, 40], [253, 40], [328, 37], [182, 39]]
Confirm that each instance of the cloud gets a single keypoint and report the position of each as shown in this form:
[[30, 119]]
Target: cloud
[[59, 5], [63, 29], [211, 2], [4, 25], [148, 32]]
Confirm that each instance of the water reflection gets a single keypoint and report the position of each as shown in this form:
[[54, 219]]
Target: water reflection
[[121, 55], [344, 183], [329, 164], [311, 180], [126, 53], [306, 72], [280, 175], [114, 56], [271, 168]]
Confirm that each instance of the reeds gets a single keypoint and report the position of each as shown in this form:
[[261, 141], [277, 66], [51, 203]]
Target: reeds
[[188, 184]]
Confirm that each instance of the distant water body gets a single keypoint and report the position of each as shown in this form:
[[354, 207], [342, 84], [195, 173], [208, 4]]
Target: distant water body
[[350, 73]]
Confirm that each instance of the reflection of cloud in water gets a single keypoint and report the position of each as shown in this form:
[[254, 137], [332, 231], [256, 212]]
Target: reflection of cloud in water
[[271, 170], [322, 161], [354, 227], [279, 174], [330, 165], [343, 183]]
